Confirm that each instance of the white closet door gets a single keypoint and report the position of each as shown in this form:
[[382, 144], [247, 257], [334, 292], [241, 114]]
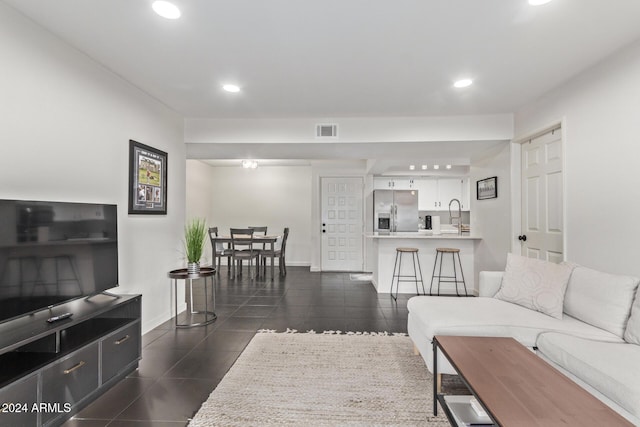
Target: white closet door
[[542, 197]]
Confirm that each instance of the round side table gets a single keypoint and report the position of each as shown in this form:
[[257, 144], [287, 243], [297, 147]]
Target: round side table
[[206, 273]]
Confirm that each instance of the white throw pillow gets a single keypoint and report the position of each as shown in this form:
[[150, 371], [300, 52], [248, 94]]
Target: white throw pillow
[[535, 284], [600, 299], [632, 333]]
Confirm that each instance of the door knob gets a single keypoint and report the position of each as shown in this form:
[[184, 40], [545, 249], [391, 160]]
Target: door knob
[[523, 238]]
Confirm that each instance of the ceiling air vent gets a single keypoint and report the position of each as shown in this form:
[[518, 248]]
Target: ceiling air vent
[[326, 131]]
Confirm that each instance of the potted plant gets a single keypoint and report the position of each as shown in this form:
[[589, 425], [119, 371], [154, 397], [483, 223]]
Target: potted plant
[[195, 233]]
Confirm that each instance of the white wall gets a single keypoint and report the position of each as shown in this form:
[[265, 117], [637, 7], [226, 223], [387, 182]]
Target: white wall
[[602, 150], [365, 129], [200, 198], [65, 125], [275, 196], [491, 218]]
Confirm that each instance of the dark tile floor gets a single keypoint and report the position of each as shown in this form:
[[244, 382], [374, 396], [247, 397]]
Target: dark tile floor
[[180, 367]]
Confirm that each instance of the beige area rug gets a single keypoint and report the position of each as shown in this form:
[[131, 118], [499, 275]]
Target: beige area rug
[[323, 380]]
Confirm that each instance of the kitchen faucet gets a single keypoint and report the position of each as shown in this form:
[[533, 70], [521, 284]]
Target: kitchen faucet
[[458, 217]]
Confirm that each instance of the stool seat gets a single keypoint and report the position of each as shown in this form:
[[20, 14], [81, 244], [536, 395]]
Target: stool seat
[[448, 250], [399, 277]]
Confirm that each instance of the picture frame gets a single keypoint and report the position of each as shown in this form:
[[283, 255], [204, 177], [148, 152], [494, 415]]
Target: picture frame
[[487, 188], [147, 179]]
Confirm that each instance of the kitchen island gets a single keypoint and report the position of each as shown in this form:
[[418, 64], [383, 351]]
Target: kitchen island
[[384, 253]]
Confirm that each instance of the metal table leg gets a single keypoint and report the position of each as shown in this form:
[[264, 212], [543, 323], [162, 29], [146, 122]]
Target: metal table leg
[[209, 315]]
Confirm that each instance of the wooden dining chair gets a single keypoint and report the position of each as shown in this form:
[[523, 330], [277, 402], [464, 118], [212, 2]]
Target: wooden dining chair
[[259, 230], [278, 252], [242, 249], [219, 250]]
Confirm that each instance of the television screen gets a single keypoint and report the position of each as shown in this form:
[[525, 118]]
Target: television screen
[[52, 252]]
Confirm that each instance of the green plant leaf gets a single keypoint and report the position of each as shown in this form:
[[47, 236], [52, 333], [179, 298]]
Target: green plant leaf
[[195, 233]]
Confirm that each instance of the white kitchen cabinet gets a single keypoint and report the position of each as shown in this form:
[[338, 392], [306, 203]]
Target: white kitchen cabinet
[[466, 194], [386, 183], [427, 194], [382, 183], [434, 194], [449, 189], [404, 184]]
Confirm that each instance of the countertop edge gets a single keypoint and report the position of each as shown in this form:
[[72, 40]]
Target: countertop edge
[[409, 235]]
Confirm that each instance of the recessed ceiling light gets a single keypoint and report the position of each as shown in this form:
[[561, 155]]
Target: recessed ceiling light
[[166, 9], [424, 167], [436, 166], [412, 167], [249, 164], [538, 2], [463, 83], [448, 166], [231, 88]]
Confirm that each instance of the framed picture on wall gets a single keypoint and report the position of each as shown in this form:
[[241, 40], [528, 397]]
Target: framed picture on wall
[[147, 180], [487, 188]]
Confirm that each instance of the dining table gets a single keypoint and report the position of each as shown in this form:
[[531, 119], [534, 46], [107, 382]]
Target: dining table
[[257, 239]]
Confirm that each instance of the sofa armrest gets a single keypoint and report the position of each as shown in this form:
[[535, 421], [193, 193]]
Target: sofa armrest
[[489, 283]]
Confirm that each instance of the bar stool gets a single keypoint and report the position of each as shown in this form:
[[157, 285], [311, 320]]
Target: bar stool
[[399, 277], [453, 252]]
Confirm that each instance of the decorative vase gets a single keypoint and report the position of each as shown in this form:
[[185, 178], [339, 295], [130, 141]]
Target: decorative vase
[[193, 267]]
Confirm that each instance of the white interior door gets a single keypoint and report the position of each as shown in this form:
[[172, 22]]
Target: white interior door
[[542, 197], [342, 224]]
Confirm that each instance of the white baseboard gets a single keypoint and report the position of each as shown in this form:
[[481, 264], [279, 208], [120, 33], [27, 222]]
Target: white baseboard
[[161, 318]]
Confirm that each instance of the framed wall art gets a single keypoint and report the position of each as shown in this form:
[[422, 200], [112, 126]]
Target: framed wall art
[[147, 180], [487, 188]]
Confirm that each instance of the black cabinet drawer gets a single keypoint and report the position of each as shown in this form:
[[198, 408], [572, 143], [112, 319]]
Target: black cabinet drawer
[[119, 349], [69, 380], [18, 400]]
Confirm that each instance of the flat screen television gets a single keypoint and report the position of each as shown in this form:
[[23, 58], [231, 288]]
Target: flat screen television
[[53, 252]]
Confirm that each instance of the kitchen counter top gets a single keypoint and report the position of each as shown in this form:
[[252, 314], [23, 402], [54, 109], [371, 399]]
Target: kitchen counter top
[[423, 234], [382, 251]]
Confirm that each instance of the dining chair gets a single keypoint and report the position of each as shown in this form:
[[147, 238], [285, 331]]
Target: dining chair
[[242, 249], [259, 230], [279, 249], [219, 250]]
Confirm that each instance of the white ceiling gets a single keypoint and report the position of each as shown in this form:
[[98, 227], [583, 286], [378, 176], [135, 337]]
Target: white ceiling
[[335, 58], [342, 58]]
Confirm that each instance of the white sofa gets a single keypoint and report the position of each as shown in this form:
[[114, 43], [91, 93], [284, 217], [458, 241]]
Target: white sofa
[[595, 342]]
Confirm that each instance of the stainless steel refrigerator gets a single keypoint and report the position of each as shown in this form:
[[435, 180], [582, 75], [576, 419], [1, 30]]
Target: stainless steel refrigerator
[[395, 210]]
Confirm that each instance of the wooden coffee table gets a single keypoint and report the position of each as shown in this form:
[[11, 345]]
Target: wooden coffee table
[[518, 388]]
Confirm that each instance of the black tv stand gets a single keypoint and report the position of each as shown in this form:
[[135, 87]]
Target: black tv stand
[[107, 293], [65, 365]]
